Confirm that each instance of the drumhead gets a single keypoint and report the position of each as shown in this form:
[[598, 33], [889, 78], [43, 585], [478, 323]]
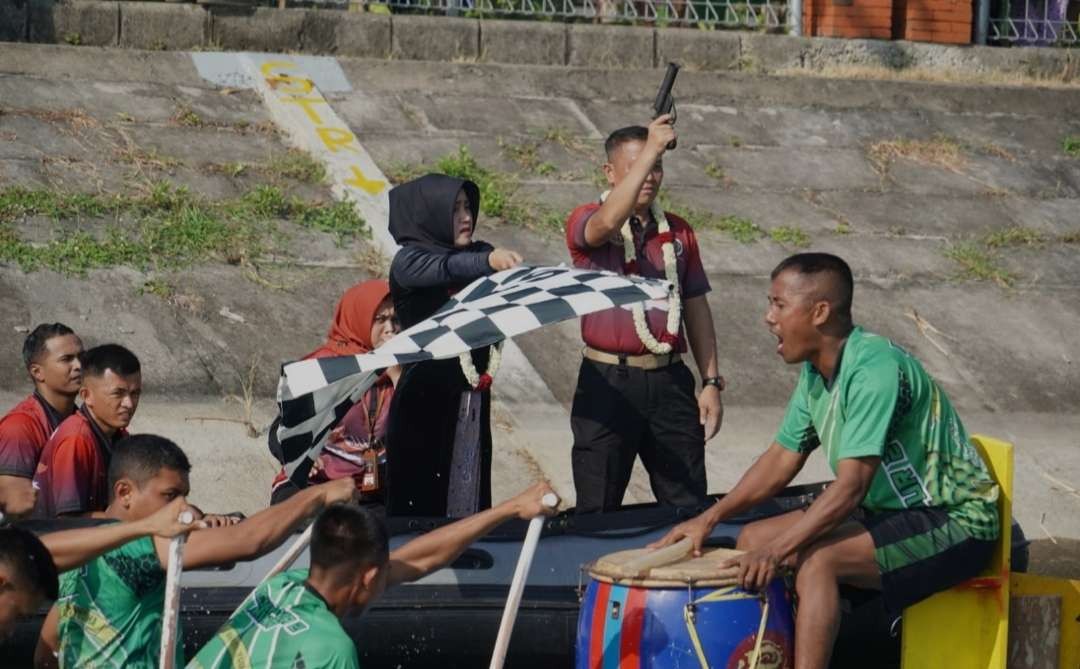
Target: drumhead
[[701, 571]]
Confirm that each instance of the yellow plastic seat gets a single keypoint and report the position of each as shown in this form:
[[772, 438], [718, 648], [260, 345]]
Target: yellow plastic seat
[[967, 626]]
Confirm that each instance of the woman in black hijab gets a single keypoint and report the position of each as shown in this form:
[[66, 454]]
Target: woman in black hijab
[[435, 411]]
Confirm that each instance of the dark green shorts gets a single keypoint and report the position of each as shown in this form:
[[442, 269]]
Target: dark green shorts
[[922, 551]]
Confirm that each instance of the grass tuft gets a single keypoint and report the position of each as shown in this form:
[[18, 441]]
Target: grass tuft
[[1014, 236], [1071, 146], [939, 151], [979, 264], [790, 236], [166, 227], [297, 165]]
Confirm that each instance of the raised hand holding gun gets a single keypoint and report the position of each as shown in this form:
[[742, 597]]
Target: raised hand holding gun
[[661, 135], [665, 101]]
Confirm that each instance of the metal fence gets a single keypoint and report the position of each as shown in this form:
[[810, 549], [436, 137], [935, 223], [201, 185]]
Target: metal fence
[[758, 14], [1010, 22], [1035, 22]]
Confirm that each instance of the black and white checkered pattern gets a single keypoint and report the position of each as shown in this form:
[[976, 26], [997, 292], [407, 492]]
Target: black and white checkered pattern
[[315, 394]]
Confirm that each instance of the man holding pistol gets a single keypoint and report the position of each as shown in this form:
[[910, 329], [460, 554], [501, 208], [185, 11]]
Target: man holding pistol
[[634, 394]]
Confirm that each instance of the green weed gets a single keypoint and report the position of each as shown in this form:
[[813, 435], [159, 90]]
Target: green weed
[[979, 263], [157, 287], [716, 172], [298, 165], [186, 116], [742, 230], [790, 236], [527, 156], [1071, 146], [1014, 236], [164, 228]]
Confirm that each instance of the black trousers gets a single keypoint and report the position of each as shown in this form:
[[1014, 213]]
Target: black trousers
[[622, 412]]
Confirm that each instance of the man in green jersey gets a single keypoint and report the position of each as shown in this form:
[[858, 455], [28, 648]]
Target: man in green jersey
[[29, 565], [913, 508], [293, 619], [109, 612]]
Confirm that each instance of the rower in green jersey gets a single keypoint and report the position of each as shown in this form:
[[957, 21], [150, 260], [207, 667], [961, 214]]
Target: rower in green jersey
[[109, 611], [292, 620], [913, 508], [287, 623]]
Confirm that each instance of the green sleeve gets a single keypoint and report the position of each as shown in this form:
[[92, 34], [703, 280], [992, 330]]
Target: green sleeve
[[870, 409], [797, 431]]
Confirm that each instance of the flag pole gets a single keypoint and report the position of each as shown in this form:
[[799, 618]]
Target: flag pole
[[517, 586]]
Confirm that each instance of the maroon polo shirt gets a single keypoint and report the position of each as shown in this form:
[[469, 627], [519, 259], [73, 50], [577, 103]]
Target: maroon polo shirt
[[23, 433], [613, 330]]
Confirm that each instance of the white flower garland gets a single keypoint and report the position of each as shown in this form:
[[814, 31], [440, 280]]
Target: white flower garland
[[478, 381], [674, 314]]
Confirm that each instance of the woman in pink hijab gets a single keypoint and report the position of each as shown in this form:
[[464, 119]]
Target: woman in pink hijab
[[363, 319]]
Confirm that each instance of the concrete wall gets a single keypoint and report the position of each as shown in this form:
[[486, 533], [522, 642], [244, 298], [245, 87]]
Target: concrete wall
[[157, 26]]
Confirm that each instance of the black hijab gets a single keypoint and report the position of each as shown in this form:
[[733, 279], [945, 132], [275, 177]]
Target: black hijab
[[422, 210]]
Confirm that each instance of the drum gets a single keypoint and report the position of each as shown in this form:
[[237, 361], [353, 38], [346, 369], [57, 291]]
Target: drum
[[687, 615]]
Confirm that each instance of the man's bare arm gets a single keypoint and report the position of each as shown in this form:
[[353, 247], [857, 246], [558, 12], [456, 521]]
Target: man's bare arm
[[622, 198], [262, 532], [702, 337], [440, 547], [74, 548], [833, 507], [769, 474]]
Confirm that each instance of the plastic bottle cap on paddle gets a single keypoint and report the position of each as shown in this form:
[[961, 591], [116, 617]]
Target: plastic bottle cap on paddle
[[186, 517]]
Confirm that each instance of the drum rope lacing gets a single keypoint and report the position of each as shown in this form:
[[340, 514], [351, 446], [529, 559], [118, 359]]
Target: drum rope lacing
[[727, 594]]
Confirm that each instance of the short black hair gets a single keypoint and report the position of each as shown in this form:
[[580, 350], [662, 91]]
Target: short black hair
[[97, 360], [35, 342], [349, 535], [30, 561], [140, 457], [809, 264], [631, 133]]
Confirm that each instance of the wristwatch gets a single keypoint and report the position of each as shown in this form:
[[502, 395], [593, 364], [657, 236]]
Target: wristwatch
[[717, 381]]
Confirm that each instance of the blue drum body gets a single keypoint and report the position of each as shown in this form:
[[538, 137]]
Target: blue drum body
[[636, 627]]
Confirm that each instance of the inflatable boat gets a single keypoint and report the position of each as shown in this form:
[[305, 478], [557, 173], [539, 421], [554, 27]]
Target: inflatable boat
[[450, 618]]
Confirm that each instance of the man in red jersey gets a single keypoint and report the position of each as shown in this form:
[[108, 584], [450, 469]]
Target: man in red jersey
[[72, 474], [51, 355]]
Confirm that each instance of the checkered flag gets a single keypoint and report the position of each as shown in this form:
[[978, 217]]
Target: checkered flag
[[314, 395]]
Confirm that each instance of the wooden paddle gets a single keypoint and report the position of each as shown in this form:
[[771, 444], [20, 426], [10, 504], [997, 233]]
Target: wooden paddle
[[171, 612], [517, 586]]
